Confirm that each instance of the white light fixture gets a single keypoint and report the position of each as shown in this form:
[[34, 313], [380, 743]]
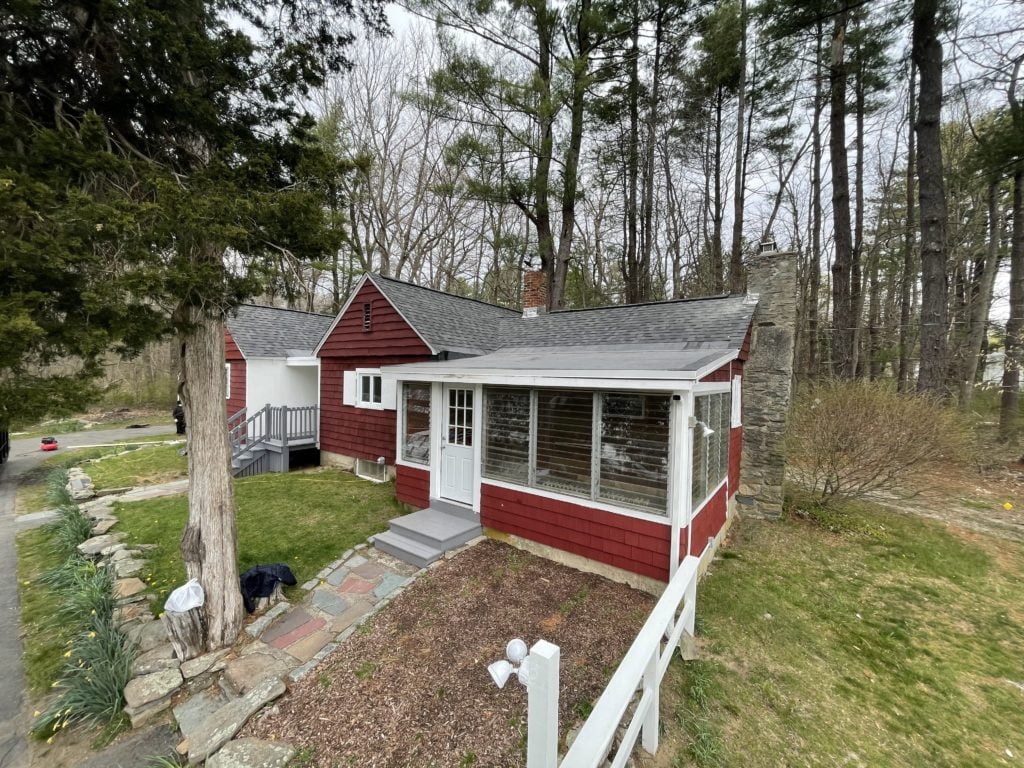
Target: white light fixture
[[705, 429], [502, 670]]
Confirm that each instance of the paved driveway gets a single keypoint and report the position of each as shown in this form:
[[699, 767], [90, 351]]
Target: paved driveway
[[25, 455]]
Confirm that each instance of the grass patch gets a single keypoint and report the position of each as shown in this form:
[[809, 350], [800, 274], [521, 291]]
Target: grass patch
[[44, 641], [156, 464], [148, 465], [304, 519], [856, 637]]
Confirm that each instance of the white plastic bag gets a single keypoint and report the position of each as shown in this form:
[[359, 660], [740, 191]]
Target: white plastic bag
[[186, 597]]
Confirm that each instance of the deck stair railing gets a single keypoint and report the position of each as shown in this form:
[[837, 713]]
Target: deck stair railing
[[632, 695], [271, 426]]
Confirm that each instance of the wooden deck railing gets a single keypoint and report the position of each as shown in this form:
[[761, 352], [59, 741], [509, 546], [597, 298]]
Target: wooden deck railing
[[271, 425]]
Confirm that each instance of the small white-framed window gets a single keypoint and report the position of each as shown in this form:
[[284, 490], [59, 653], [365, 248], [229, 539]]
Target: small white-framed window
[[369, 390], [737, 401], [227, 381]]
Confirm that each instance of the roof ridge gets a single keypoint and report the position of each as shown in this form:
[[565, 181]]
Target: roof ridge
[[285, 309], [443, 293], [649, 303]]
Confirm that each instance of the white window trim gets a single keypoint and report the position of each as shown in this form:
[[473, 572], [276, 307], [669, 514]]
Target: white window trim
[[580, 501], [227, 380], [737, 402], [592, 499], [717, 389], [400, 421], [359, 402]]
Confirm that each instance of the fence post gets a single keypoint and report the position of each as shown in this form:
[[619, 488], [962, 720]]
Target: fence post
[[649, 732], [542, 706], [687, 641]]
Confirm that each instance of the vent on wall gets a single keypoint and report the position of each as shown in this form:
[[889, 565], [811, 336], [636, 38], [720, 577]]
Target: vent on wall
[[367, 315], [377, 471]]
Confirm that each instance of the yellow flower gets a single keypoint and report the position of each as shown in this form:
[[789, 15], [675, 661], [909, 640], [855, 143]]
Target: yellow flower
[[67, 654], [92, 634], [26, 583], [37, 713], [1007, 506], [50, 740]]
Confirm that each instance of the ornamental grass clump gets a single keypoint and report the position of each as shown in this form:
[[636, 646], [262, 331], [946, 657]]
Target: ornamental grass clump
[[98, 659], [852, 439], [57, 493], [69, 530]]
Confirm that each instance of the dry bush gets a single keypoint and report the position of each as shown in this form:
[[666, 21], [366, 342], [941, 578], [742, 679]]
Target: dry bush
[[849, 439]]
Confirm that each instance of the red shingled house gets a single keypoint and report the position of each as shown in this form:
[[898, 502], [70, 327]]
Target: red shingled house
[[608, 438]]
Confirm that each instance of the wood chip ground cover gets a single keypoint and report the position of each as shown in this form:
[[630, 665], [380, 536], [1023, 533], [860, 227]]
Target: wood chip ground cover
[[412, 689]]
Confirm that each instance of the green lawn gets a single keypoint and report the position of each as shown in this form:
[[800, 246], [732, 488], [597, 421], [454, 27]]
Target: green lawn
[[143, 465], [44, 641], [869, 638], [304, 519], [148, 465]]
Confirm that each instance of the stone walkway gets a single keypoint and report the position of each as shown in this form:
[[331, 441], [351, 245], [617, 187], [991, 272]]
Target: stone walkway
[[342, 596]]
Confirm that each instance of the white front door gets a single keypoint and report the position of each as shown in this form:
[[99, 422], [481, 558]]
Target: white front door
[[457, 470]]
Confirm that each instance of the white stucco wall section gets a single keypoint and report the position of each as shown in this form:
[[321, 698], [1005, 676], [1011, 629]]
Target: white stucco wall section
[[271, 380]]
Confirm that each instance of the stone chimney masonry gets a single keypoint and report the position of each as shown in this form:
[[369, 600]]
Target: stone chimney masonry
[[768, 381], [535, 293]]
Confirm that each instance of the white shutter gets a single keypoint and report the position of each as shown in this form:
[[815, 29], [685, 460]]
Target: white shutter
[[737, 401], [388, 392], [348, 388]]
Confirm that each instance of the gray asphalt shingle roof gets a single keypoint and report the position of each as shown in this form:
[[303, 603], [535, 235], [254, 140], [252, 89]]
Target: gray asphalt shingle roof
[[447, 322], [456, 324], [273, 332]]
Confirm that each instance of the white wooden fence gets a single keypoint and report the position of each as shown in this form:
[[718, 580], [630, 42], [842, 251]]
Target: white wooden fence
[[642, 669]]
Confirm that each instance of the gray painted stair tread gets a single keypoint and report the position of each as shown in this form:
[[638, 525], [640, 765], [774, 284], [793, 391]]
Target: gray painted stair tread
[[458, 510], [408, 550], [432, 524]]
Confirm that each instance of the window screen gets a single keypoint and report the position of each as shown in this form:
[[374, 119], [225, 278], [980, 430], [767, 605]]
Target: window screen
[[416, 439], [634, 450], [564, 439], [710, 445], [506, 434]]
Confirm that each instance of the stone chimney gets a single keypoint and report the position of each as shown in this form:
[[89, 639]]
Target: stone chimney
[[768, 380], [535, 293]]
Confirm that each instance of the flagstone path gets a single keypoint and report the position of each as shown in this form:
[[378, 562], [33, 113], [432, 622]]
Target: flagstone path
[[342, 596]]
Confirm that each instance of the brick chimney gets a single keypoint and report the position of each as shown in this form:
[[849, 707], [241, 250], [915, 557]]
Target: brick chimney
[[535, 293], [768, 380]]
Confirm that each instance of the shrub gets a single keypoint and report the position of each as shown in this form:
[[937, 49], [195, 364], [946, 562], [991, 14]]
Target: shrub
[[850, 439]]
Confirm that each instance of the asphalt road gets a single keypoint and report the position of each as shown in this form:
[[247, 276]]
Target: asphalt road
[[25, 455]]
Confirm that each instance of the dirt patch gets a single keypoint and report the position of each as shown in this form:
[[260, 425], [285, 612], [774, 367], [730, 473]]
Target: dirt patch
[[413, 688]]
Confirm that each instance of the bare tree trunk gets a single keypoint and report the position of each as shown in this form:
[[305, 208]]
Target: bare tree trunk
[[985, 269], [842, 317], [736, 254], [633, 267], [654, 102], [857, 253], [717, 265], [1009, 416], [907, 275], [815, 257], [208, 544], [927, 54]]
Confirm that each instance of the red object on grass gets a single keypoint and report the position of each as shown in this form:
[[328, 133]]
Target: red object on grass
[[48, 444]]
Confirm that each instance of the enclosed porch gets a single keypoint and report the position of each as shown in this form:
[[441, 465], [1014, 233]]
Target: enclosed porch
[[618, 456]]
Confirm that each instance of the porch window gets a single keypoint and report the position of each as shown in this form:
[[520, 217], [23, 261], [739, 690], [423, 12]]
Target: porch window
[[565, 436], [713, 414], [370, 390], [634, 450], [416, 436], [604, 446], [507, 437]]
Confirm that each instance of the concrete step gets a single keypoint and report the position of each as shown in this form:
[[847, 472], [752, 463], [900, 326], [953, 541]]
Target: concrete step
[[407, 550], [436, 529], [466, 513]]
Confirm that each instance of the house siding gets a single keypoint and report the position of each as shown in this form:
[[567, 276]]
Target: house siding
[[707, 523], [233, 355], [412, 486], [363, 433], [635, 545]]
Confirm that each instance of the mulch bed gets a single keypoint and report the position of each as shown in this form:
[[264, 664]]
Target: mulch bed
[[412, 688]]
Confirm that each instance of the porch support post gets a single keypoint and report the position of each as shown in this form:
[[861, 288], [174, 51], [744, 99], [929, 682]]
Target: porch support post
[[679, 474], [542, 706]]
